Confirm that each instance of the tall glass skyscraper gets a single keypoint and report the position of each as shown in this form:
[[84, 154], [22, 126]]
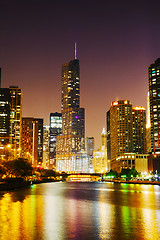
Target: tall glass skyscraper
[[72, 139], [154, 102]]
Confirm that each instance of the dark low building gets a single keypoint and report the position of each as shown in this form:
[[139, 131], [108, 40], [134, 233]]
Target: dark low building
[[154, 162]]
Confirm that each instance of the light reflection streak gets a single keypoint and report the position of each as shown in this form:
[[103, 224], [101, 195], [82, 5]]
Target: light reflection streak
[[151, 226], [105, 217], [53, 218]]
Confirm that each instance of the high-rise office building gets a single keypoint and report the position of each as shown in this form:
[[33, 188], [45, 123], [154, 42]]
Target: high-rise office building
[[108, 135], [72, 139], [27, 140], [10, 119], [55, 130], [153, 132], [126, 128], [5, 127], [148, 127], [32, 140], [90, 146], [90, 142], [154, 102], [16, 116], [139, 130], [121, 128], [38, 122], [46, 135]]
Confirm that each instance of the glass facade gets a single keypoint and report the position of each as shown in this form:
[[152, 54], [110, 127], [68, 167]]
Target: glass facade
[[55, 129], [154, 102]]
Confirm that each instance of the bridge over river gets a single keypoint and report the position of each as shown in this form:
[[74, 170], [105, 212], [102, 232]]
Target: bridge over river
[[83, 177]]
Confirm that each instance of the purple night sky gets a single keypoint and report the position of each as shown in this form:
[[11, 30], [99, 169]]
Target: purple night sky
[[116, 42]]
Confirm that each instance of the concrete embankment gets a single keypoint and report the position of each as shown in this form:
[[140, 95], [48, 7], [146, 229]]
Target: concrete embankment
[[134, 182]]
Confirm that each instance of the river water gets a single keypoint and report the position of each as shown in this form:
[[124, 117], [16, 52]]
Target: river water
[[62, 211]]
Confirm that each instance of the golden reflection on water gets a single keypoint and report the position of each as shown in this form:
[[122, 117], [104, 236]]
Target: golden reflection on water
[[20, 220], [151, 228], [12, 217], [60, 212], [127, 220]]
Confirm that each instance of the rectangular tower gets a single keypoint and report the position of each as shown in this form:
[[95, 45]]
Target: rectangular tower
[[5, 127], [16, 116], [108, 135], [121, 129], [10, 118], [39, 140], [90, 146], [154, 103], [55, 130], [139, 130], [32, 140], [46, 135]]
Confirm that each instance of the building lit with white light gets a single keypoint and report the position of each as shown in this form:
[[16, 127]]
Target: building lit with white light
[[90, 142], [55, 130]]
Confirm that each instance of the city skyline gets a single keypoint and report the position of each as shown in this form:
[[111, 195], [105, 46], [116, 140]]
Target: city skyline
[[115, 46]]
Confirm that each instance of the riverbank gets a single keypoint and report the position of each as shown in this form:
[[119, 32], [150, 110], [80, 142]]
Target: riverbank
[[133, 181], [12, 184]]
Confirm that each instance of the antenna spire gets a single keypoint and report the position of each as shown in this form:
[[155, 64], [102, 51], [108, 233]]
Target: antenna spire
[[75, 50]]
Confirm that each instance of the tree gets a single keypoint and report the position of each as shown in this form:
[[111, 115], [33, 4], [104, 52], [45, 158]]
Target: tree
[[128, 173], [19, 167], [133, 172], [2, 170], [48, 173], [112, 174]]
